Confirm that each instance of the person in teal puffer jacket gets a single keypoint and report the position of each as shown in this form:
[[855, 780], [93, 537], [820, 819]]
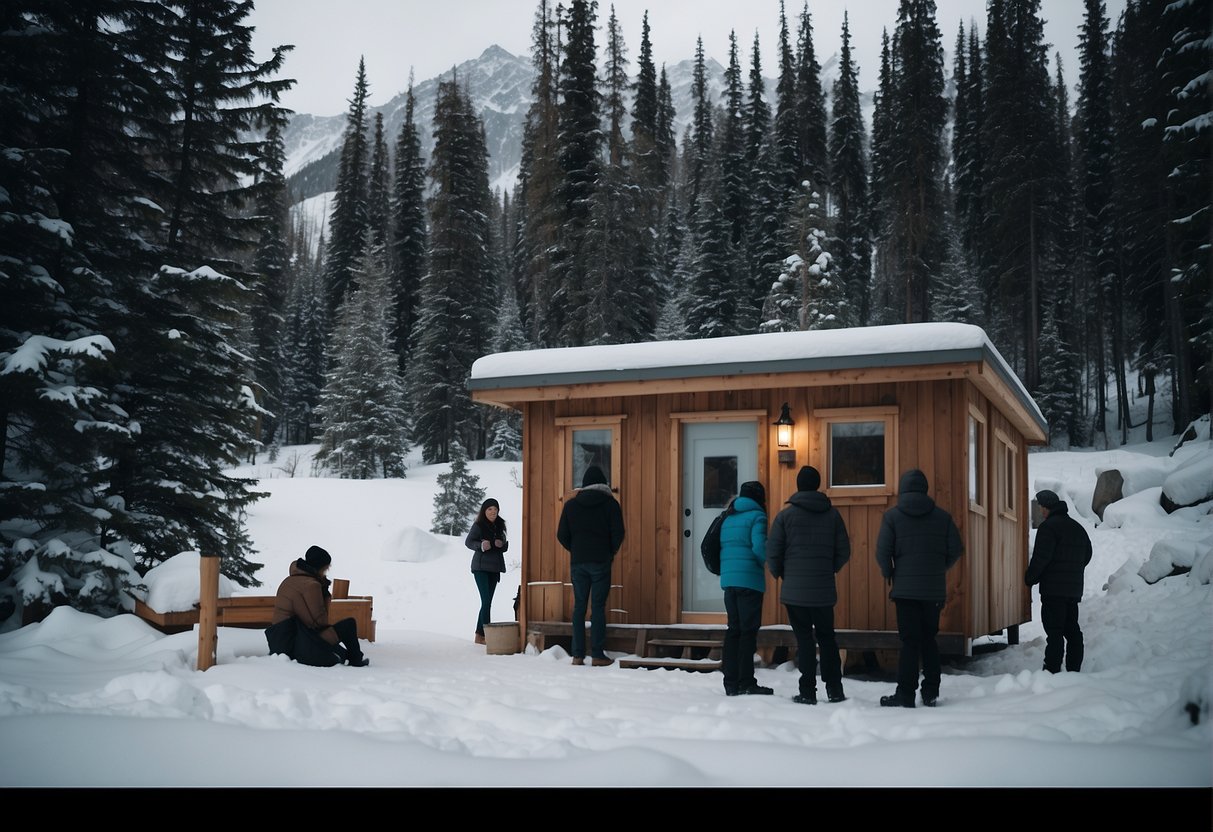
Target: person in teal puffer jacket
[[743, 544]]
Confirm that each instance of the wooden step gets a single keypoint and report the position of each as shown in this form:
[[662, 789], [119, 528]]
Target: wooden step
[[701, 665], [686, 642]]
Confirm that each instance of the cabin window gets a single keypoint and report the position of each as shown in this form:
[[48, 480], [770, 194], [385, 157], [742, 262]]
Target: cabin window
[[719, 480], [856, 454], [977, 461], [856, 451], [1007, 475], [590, 440]]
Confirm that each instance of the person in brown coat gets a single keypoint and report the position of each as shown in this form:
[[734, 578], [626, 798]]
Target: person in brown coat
[[300, 625]]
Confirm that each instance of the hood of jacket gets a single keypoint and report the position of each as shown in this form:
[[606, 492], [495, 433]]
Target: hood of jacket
[[302, 567], [813, 501], [594, 495], [741, 504], [912, 497]]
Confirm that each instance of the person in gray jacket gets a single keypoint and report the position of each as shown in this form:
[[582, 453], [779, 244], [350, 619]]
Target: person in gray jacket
[[918, 543], [806, 546]]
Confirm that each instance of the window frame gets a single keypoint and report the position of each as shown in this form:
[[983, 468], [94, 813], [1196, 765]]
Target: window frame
[[822, 419], [981, 448], [570, 425], [1007, 483]]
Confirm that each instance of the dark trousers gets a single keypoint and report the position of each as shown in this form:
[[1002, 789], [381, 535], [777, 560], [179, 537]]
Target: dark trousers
[[347, 634], [744, 609], [917, 625], [1062, 633], [592, 584], [486, 582], [804, 621]]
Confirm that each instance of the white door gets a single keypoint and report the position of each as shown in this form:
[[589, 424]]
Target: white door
[[717, 457]]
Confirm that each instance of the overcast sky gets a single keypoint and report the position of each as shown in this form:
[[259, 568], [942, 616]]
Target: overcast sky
[[430, 36]]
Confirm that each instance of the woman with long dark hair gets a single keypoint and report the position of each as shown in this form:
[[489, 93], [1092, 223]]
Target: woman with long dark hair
[[488, 543]]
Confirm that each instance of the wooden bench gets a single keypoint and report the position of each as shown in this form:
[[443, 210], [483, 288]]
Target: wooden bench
[[257, 612]]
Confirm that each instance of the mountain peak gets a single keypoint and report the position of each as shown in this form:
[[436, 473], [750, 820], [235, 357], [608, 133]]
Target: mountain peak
[[496, 51]]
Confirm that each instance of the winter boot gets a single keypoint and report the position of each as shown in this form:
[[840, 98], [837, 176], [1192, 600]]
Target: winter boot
[[809, 698], [929, 697], [756, 690], [896, 700], [834, 692]]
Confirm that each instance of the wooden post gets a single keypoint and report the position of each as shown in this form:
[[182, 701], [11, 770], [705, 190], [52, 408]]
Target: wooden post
[[341, 588], [208, 611]]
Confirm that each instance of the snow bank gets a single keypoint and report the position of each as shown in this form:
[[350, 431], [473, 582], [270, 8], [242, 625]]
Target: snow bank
[[1191, 481], [413, 545], [1139, 473], [173, 586], [1170, 554]]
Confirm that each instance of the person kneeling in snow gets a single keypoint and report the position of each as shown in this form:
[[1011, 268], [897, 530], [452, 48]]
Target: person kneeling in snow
[[300, 626]]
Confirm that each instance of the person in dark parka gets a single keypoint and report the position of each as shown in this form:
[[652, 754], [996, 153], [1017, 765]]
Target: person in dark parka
[[591, 529], [1059, 556], [743, 544], [486, 538], [918, 543], [299, 626], [808, 544]]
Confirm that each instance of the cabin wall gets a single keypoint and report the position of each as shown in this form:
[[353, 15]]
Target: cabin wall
[[931, 435]]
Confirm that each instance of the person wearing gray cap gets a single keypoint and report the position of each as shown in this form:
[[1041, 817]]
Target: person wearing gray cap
[[1059, 556]]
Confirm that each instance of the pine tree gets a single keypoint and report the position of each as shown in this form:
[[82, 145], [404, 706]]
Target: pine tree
[[715, 281], [349, 225], [967, 156], [1188, 148], [912, 155], [700, 149], [306, 329], [882, 308], [361, 408], [735, 183], [539, 176], [764, 224], [1096, 240], [811, 144], [849, 184], [823, 299], [1020, 183], [453, 326], [579, 151], [459, 495], [378, 197], [53, 404], [506, 430], [786, 139], [1053, 393], [409, 229], [781, 309], [272, 266]]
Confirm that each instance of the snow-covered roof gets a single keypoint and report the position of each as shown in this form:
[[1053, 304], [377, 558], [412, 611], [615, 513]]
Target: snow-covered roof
[[775, 352]]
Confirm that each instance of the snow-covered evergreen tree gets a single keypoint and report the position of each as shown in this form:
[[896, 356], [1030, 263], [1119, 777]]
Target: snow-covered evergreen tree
[[849, 184], [306, 334], [459, 495], [453, 327], [361, 410], [410, 234], [506, 424], [823, 301], [781, 310], [349, 222], [811, 142], [379, 191]]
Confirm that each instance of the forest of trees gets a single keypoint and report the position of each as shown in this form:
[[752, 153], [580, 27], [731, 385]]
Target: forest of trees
[[163, 318]]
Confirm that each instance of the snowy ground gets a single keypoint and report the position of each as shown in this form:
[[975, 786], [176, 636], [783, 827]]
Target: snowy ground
[[86, 702]]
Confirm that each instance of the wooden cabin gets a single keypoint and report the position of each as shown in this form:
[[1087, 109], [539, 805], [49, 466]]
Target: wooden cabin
[[677, 426]]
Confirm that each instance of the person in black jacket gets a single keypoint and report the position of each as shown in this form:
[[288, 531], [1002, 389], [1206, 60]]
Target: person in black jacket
[[591, 529], [488, 543], [807, 545], [918, 543], [1059, 556]]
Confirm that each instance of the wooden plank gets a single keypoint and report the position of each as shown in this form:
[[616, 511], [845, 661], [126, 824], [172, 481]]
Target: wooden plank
[[644, 598], [720, 416], [208, 603], [750, 381]]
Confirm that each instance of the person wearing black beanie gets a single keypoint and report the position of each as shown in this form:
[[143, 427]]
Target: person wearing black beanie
[[1060, 555], [300, 625]]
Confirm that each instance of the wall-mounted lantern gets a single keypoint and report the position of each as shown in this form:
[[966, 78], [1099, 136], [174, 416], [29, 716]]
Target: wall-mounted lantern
[[783, 437]]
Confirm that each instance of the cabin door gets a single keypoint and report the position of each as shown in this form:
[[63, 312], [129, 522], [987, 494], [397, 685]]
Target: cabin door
[[717, 457]]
